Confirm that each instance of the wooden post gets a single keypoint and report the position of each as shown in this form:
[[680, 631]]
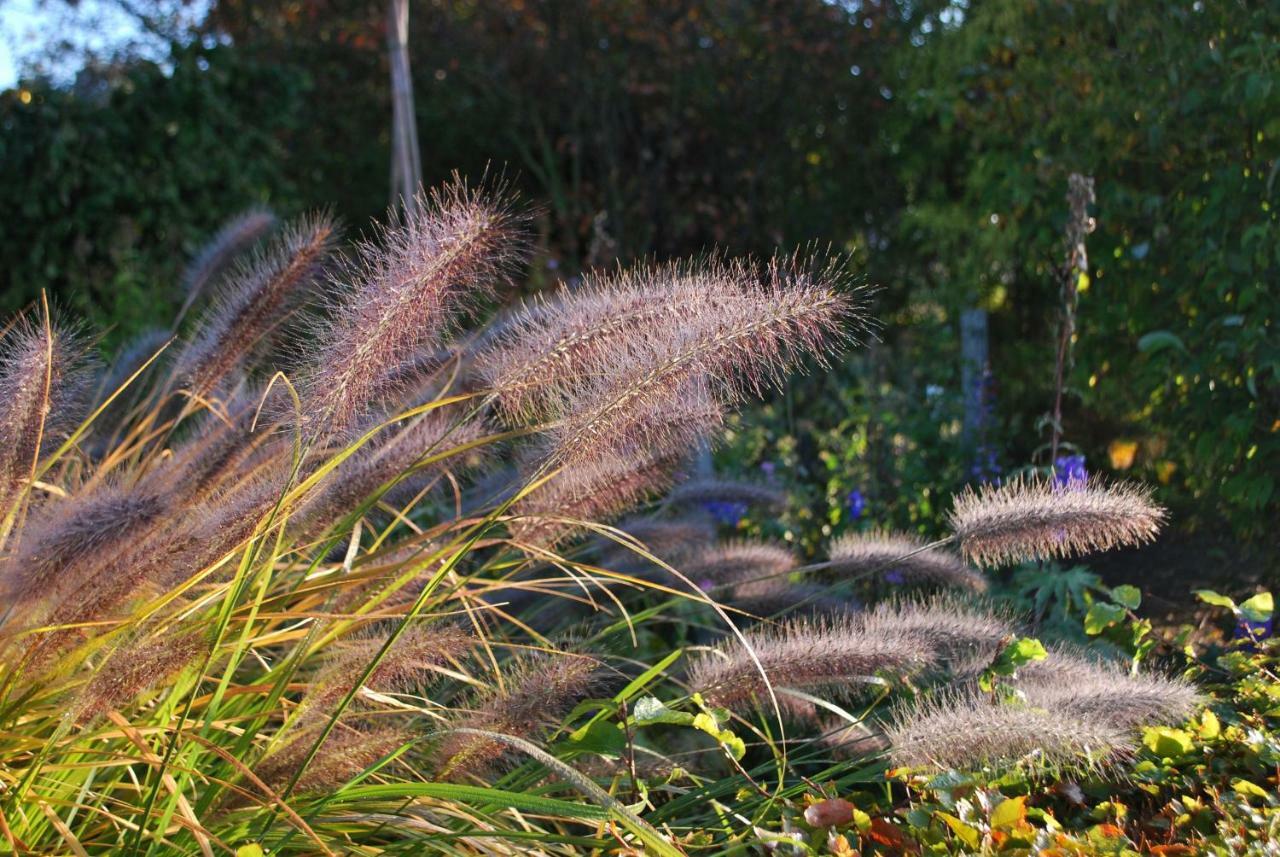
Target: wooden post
[[406, 160], [973, 372]]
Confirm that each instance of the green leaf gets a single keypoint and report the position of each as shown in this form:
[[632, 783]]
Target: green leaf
[[1166, 742], [1158, 340], [966, 833], [599, 736], [1102, 616], [253, 849], [1258, 608], [1129, 596], [1247, 789], [1021, 651], [1208, 596], [731, 742], [1009, 812], [649, 710]]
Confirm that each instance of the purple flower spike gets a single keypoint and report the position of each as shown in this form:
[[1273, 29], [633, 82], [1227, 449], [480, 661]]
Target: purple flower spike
[[1069, 471]]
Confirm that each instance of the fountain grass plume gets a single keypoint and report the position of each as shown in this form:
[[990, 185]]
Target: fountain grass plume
[[967, 732], [957, 635], [410, 662], [67, 542], [1106, 693], [253, 301], [792, 314], [132, 667], [45, 382], [886, 554], [738, 560], [553, 345], [596, 490], [534, 693], [403, 292], [1031, 518], [835, 653], [696, 492], [236, 236]]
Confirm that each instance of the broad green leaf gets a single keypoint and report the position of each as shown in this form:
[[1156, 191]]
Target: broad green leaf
[[253, 849], [1258, 608], [1208, 596], [1129, 596], [1166, 742], [1009, 813], [599, 736], [731, 742], [1247, 789], [1101, 616], [969, 835], [648, 710]]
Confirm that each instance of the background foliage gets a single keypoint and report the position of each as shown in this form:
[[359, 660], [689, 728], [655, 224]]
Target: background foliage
[[931, 141]]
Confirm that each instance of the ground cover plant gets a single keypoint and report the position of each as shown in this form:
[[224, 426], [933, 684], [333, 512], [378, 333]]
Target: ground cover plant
[[329, 567]]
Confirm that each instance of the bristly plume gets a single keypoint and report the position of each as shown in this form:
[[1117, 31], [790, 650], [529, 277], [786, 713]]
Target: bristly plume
[[966, 732], [402, 294], [958, 636], [738, 560], [780, 597], [1107, 693], [133, 667], [552, 346], [44, 380], [435, 436], [592, 491], [348, 752], [237, 235], [69, 542], [805, 654], [254, 301], [721, 358], [537, 691], [696, 492], [1026, 519], [900, 558], [411, 660], [673, 541]]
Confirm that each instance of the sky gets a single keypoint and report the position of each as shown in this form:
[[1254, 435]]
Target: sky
[[25, 27], [19, 28]]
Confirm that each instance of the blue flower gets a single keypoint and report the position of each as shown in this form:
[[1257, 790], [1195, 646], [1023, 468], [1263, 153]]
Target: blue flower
[[768, 467], [724, 511], [1069, 471], [1254, 632], [856, 503]]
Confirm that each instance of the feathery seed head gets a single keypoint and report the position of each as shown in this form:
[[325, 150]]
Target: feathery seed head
[[1026, 519], [738, 560], [44, 383], [543, 352], [236, 235], [956, 635], [805, 654], [254, 301], [901, 557], [1107, 693], [133, 667], [697, 492], [965, 731], [537, 691], [403, 293]]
